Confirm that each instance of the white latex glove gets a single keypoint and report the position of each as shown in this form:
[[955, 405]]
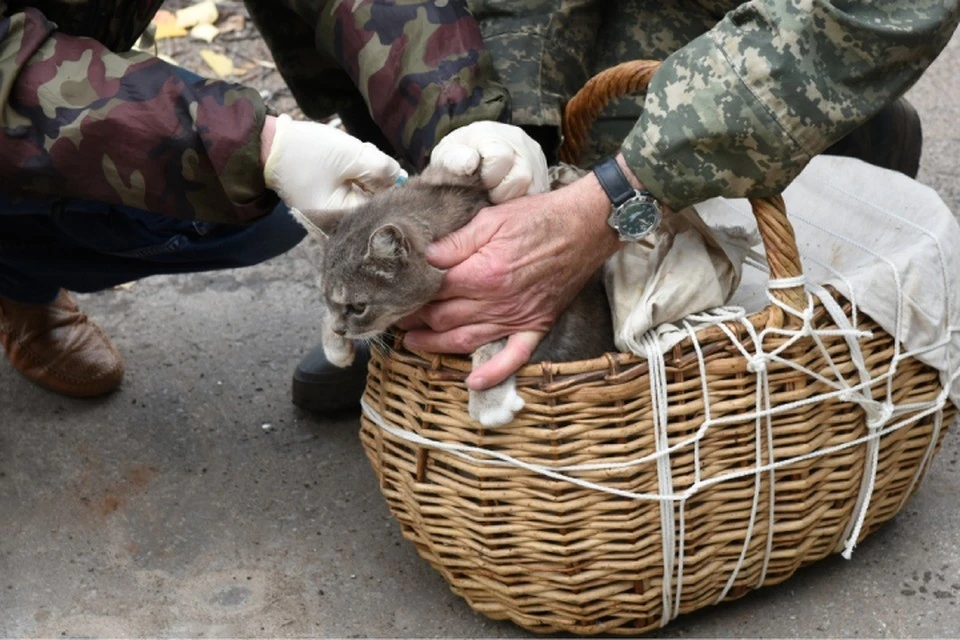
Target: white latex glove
[[511, 163], [316, 167]]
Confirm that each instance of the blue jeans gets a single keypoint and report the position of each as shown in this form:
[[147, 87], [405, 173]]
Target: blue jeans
[[90, 246]]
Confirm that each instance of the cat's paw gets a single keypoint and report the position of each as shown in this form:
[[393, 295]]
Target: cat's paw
[[496, 406], [339, 351]]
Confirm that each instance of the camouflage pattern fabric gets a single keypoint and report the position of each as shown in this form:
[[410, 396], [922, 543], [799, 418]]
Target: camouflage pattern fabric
[[747, 94], [418, 66], [84, 117], [79, 120], [543, 51], [741, 109]]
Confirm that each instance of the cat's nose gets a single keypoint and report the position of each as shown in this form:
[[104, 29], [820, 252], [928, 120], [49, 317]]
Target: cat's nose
[[340, 331]]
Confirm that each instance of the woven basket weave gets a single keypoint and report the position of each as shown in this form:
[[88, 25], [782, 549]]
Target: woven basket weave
[[553, 554]]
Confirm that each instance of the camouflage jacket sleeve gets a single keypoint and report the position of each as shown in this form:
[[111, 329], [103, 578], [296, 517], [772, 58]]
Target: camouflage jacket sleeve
[[420, 66], [78, 120], [740, 110]]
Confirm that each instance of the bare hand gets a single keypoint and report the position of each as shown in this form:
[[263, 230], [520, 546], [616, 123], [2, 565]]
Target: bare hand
[[512, 271]]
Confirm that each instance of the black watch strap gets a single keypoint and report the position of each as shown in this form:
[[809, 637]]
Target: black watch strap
[[611, 178]]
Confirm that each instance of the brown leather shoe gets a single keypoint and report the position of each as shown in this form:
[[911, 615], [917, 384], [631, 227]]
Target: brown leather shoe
[[59, 348]]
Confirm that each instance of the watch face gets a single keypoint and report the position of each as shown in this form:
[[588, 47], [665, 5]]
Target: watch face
[[637, 217]]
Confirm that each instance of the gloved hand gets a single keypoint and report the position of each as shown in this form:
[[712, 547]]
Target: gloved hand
[[511, 163], [315, 167]]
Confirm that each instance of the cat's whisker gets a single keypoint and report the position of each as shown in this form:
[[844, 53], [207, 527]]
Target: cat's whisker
[[382, 342]]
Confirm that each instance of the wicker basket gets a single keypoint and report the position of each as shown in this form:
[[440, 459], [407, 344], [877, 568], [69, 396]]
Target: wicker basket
[[539, 522]]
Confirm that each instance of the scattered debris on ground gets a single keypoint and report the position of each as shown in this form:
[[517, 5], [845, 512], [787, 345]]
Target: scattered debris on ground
[[219, 40]]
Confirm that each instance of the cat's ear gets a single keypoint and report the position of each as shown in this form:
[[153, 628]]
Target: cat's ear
[[388, 244], [319, 223]]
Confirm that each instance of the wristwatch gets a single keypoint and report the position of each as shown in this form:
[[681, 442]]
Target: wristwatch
[[635, 211]]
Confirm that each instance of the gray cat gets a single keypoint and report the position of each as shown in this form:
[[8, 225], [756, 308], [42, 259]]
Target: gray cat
[[375, 273]]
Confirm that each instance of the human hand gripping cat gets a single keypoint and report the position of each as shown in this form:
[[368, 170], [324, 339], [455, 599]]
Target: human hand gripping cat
[[375, 273], [512, 271]]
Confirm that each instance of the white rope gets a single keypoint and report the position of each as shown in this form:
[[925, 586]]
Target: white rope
[[877, 416], [786, 283], [658, 397], [559, 473], [875, 421], [771, 507], [707, 419], [680, 557], [945, 272], [932, 237], [760, 393], [897, 330]]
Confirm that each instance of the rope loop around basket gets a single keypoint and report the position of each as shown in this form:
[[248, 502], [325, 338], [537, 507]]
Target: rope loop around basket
[[779, 239]]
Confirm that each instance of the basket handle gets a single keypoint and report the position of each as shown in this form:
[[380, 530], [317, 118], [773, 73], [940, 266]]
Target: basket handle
[[779, 240]]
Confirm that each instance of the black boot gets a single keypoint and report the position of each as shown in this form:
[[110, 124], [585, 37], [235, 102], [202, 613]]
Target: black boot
[[324, 388], [318, 385], [892, 139]]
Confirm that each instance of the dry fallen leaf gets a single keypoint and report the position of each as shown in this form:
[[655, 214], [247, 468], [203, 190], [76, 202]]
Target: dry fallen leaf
[[200, 13], [167, 25], [243, 69], [162, 16], [221, 64], [205, 32]]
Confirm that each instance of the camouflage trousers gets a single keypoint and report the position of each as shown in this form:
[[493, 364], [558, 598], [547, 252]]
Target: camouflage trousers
[[545, 50], [542, 50]]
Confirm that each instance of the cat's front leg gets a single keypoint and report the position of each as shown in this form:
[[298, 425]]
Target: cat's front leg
[[496, 406], [338, 350]]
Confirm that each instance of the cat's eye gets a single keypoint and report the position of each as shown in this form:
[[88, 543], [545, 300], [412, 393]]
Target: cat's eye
[[356, 309]]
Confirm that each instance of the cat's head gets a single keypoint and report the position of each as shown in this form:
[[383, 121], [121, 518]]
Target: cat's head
[[374, 272]]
